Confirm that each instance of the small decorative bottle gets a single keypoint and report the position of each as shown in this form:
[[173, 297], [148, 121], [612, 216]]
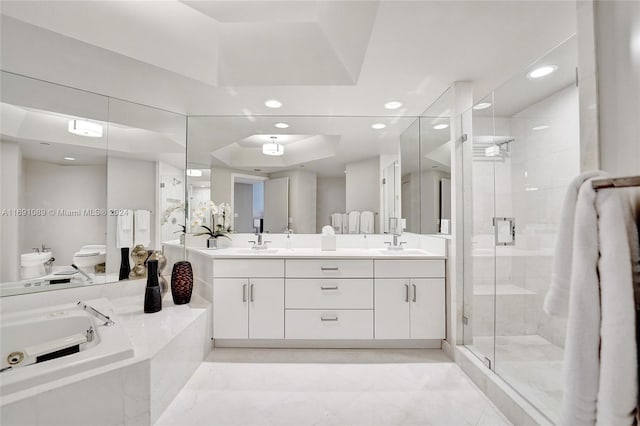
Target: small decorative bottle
[[152, 295]]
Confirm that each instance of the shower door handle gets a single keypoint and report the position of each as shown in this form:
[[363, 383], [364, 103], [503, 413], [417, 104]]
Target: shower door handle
[[504, 231]]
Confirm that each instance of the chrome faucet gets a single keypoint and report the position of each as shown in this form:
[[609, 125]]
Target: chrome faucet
[[395, 245], [96, 313], [259, 244]]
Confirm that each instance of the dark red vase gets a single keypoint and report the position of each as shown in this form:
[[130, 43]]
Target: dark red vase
[[181, 282]]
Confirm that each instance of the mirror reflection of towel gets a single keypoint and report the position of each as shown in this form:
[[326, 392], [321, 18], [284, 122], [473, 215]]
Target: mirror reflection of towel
[[336, 222], [124, 230], [366, 222], [354, 222], [142, 230]]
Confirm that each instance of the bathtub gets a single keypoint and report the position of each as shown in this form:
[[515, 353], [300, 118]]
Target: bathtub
[[44, 331]]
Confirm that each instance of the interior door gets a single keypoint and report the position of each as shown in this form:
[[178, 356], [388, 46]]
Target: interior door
[[266, 308], [392, 319], [427, 308], [231, 308], [276, 205]]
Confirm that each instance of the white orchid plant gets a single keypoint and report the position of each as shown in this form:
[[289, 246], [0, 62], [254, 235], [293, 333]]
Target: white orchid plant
[[220, 215], [166, 214]]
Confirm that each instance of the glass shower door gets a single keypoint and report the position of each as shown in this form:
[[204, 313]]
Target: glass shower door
[[480, 268]]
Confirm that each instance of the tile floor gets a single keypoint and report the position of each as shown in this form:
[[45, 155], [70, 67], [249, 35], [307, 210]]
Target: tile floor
[[330, 387], [531, 365]]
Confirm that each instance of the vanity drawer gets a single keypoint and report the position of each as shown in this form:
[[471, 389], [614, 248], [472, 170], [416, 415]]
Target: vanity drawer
[[328, 324], [247, 268], [329, 293], [329, 268], [409, 268]]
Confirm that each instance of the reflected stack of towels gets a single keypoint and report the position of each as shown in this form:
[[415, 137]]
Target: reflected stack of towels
[[353, 222], [133, 228]]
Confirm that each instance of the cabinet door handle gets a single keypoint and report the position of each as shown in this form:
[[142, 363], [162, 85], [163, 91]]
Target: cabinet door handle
[[327, 268], [406, 292], [244, 292], [251, 292], [328, 287], [333, 318], [415, 292]]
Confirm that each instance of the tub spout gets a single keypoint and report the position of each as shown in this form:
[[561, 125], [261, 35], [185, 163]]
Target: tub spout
[[96, 313]]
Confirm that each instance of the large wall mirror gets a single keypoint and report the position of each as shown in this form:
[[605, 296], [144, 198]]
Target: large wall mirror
[[72, 163], [299, 174]]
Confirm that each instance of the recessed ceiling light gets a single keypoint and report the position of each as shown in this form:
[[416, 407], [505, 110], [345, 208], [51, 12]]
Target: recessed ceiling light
[[482, 105], [393, 105], [540, 127], [273, 103], [281, 125], [378, 126], [542, 71], [85, 128], [69, 158], [194, 172], [440, 126]]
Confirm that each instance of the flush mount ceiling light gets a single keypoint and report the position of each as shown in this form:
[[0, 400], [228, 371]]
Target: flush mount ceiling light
[[273, 148], [393, 105], [273, 103], [482, 105], [541, 71], [440, 126], [378, 126], [85, 128], [194, 172], [281, 125], [69, 158], [544, 126]]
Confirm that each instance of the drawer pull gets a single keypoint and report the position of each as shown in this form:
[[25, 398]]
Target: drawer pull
[[333, 318], [406, 292], [326, 268], [251, 292], [244, 292], [327, 287], [415, 292]]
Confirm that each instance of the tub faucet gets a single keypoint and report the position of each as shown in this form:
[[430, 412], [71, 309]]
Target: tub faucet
[[96, 313]]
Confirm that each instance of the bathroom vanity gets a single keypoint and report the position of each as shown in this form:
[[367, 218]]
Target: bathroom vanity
[[313, 298]]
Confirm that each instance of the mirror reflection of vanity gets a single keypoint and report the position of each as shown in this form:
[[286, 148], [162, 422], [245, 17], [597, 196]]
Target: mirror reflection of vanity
[[72, 162], [327, 166]]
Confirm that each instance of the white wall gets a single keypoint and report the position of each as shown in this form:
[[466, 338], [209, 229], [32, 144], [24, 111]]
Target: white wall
[[10, 197], [617, 44], [243, 207], [52, 186], [330, 198], [302, 200], [363, 186], [132, 185]]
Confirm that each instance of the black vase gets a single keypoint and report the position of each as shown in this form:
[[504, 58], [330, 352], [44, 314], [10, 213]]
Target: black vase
[[181, 282], [125, 267], [152, 295]]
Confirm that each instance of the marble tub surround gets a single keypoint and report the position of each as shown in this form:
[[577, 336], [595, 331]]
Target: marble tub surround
[[168, 347], [330, 387]]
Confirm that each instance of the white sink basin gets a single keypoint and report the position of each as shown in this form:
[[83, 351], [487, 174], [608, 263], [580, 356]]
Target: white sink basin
[[405, 252], [257, 251]]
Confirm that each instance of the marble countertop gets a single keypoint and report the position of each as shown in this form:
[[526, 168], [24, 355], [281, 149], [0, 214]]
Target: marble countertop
[[311, 253]]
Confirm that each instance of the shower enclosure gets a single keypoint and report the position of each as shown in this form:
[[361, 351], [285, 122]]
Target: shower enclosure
[[524, 152]]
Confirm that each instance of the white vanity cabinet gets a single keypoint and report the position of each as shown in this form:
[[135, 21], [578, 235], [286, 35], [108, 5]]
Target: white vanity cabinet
[[248, 299], [409, 299]]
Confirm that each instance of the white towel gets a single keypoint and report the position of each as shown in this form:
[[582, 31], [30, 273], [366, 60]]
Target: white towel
[[366, 222], [354, 222], [345, 223], [124, 230], [142, 234], [557, 299], [600, 380], [336, 222]]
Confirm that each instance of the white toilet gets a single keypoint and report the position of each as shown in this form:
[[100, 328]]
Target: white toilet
[[89, 257]]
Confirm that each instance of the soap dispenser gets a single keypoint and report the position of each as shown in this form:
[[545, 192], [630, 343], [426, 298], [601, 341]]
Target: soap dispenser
[[152, 294]]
